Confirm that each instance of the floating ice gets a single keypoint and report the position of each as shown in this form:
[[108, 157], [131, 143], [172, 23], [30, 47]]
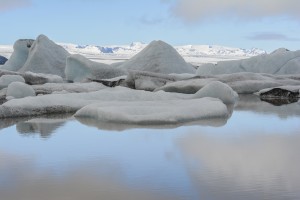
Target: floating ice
[[66, 103], [155, 112], [159, 57], [280, 61], [19, 90], [218, 90], [19, 56], [242, 83], [79, 68], [39, 56], [5, 80]]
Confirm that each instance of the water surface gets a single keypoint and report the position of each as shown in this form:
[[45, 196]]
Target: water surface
[[252, 155]]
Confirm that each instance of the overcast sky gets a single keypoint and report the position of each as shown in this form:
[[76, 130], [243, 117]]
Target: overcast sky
[[266, 24]]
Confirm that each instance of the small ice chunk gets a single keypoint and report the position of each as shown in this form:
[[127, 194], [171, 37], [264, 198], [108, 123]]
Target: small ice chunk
[[5, 80], [19, 90]]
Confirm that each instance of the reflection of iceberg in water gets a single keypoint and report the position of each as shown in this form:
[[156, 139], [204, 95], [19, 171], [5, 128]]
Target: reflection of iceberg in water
[[253, 103], [214, 122], [259, 166], [45, 125]]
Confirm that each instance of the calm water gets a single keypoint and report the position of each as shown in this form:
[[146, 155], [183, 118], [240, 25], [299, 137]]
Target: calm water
[[253, 155]]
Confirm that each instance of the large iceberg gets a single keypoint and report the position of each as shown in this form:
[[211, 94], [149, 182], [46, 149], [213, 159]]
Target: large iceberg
[[79, 68], [155, 112], [68, 103], [159, 57], [39, 56], [281, 61]]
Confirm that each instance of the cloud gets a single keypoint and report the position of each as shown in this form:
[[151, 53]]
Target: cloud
[[13, 4], [271, 36], [196, 10]]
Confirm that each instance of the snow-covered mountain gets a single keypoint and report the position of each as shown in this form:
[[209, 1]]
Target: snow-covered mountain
[[195, 54], [186, 50]]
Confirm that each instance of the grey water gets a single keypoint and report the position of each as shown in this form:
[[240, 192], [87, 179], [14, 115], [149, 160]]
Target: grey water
[[252, 155]]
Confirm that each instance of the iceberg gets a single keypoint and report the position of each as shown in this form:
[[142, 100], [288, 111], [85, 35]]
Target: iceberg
[[19, 90], [19, 55], [149, 81], [71, 102], [159, 57], [281, 61], [34, 78], [39, 56], [217, 89], [5, 80], [242, 83], [78, 69], [155, 112], [280, 95]]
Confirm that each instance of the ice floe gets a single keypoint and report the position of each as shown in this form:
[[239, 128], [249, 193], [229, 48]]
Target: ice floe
[[242, 83], [5, 80], [19, 90], [67, 103], [155, 112], [281, 61]]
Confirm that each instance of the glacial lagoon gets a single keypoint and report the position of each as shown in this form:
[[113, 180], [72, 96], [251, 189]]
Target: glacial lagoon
[[254, 154]]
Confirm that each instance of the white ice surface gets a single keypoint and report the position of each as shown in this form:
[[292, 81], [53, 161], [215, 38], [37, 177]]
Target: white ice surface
[[19, 55], [217, 89], [280, 61], [244, 82], [46, 57], [63, 103], [79, 68], [5, 80], [39, 56], [19, 90], [158, 57], [155, 112]]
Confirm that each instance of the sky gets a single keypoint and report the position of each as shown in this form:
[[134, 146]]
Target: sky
[[265, 24]]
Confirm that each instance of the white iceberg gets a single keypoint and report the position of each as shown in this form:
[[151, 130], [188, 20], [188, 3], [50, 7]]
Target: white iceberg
[[142, 80], [50, 88], [78, 68], [5, 80], [19, 56], [159, 57], [68, 103], [242, 83], [34, 78], [19, 90], [155, 112], [281, 61], [39, 56], [217, 89]]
